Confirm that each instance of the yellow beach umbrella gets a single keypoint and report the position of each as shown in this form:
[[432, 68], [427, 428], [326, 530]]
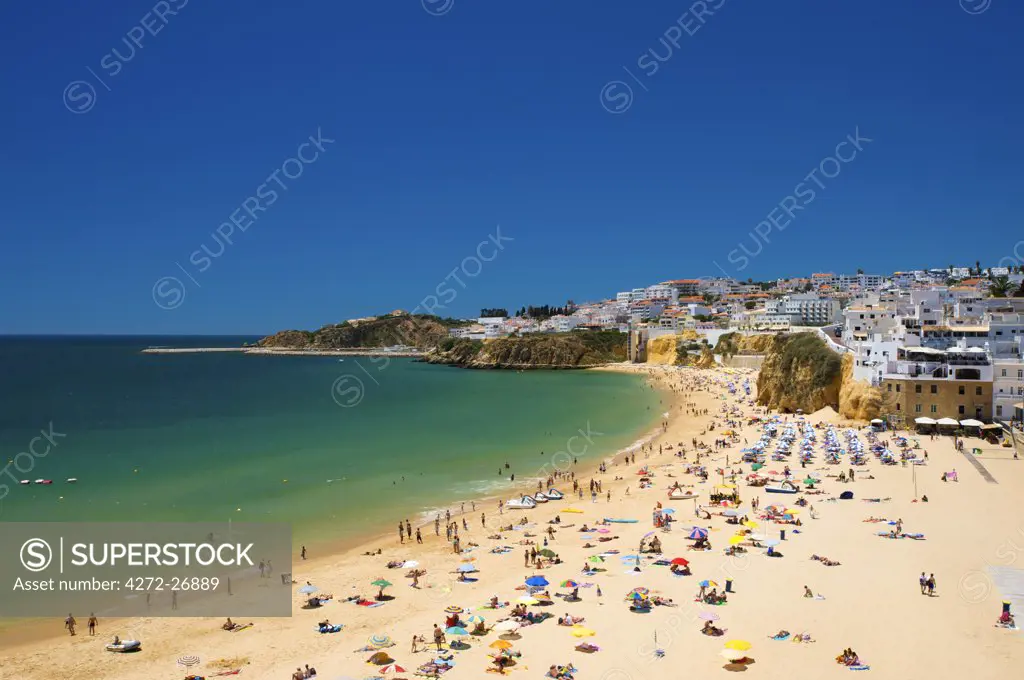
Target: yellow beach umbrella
[[734, 540], [580, 632], [526, 599], [738, 645], [751, 524], [501, 644]]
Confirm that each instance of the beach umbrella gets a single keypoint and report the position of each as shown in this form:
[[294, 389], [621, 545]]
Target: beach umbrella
[[526, 599], [698, 533], [732, 513], [569, 584], [733, 654], [536, 581], [188, 661], [379, 642], [772, 542], [707, 583], [681, 561], [708, 616], [500, 644], [596, 559], [546, 552], [507, 625], [476, 618], [751, 524], [739, 645], [391, 668], [380, 583], [669, 511], [454, 609], [410, 564], [456, 630], [380, 659], [735, 540], [308, 589], [466, 568], [581, 632]]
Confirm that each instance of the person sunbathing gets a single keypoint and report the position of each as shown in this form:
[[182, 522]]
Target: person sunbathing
[[803, 637], [808, 592], [228, 625], [782, 634], [710, 629], [1005, 620]]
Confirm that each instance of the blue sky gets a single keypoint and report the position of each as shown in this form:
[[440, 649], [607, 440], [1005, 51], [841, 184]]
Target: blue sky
[[451, 117]]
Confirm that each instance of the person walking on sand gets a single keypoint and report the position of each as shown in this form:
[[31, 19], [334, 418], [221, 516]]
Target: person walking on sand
[[931, 585], [303, 552], [70, 623], [401, 533], [438, 637], [923, 580], [526, 557], [419, 536], [92, 624]]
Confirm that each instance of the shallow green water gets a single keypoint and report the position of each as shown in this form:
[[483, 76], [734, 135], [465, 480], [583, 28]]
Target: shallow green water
[[212, 437]]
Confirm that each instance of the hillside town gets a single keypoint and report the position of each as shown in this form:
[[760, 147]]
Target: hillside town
[[941, 343]]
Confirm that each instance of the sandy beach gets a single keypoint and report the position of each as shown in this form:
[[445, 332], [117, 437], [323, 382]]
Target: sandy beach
[[872, 601]]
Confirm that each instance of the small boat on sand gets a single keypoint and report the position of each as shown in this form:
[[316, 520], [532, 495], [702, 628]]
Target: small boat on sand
[[784, 487], [554, 495], [124, 646], [678, 494], [524, 503]]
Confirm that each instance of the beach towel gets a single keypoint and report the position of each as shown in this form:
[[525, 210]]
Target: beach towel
[[860, 667], [369, 603], [333, 628]]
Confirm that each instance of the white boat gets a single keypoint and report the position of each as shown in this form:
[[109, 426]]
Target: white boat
[[678, 494], [524, 503], [25, 481], [784, 487], [124, 646], [72, 480], [540, 497], [554, 495]]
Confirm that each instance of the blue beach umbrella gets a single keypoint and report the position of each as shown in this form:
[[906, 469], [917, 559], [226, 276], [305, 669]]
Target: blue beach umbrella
[[669, 511], [466, 568], [456, 631], [536, 581], [698, 533]]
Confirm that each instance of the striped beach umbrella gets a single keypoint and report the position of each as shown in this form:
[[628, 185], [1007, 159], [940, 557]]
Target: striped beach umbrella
[[188, 661], [379, 642]]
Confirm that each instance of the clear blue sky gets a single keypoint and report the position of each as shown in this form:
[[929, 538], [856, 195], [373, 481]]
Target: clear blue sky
[[491, 113]]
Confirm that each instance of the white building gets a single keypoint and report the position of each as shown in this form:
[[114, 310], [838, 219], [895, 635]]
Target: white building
[[808, 308], [1007, 387]]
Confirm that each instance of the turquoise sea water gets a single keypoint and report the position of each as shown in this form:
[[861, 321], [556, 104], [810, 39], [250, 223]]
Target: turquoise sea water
[[213, 437]]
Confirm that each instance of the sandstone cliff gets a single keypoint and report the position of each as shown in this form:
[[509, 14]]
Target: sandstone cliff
[[801, 372], [419, 330], [578, 349]]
